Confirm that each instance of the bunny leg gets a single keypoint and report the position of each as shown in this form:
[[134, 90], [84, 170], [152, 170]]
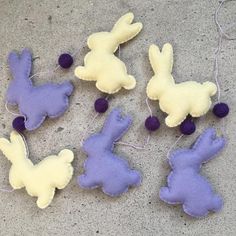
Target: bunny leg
[[135, 178], [168, 196], [114, 187], [195, 209], [216, 203], [85, 181], [45, 198], [129, 82], [200, 108], [15, 180], [34, 120], [175, 118], [84, 73]]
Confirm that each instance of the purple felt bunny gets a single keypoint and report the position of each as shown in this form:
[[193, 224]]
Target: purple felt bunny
[[103, 168], [35, 103], [185, 184]]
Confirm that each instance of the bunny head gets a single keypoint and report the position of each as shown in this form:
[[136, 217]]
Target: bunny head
[[204, 149], [102, 41], [162, 63], [122, 32], [116, 125], [96, 144], [183, 158], [114, 128]]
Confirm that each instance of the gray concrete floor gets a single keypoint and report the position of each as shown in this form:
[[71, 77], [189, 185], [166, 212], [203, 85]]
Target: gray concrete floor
[[52, 27]]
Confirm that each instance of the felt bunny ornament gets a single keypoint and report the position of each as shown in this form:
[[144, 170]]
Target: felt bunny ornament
[[177, 100], [103, 168], [185, 184], [35, 103], [39, 180], [101, 65]]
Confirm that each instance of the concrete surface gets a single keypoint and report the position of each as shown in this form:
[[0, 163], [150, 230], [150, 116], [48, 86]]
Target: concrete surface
[[52, 27]]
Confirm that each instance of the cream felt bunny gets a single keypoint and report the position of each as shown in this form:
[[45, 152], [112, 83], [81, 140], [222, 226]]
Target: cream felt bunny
[[101, 65], [177, 100], [39, 180]]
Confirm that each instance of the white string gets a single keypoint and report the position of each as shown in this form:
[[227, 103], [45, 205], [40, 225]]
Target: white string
[[55, 69], [222, 34], [134, 146], [148, 106], [85, 133], [45, 72], [143, 147], [148, 137], [174, 145], [7, 190], [11, 112]]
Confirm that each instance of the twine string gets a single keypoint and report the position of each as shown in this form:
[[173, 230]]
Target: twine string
[[174, 145], [11, 112], [148, 106], [222, 34]]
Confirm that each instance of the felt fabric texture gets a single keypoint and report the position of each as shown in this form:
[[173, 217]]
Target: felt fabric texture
[[185, 184], [35, 103], [187, 127], [65, 60], [102, 167], [152, 123], [39, 180], [101, 65], [221, 110], [19, 124], [177, 100], [101, 105]]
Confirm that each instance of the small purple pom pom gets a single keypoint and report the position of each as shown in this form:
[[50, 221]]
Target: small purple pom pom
[[187, 127], [65, 60], [221, 110], [101, 105], [152, 123], [19, 124]]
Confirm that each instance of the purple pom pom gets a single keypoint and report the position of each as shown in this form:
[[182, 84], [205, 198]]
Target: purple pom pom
[[101, 105], [187, 127], [19, 124], [65, 60], [221, 110], [152, 123]]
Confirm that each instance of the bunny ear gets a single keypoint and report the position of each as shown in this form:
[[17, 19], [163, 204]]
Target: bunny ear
[[26, 61], [167, 50], [154, 53], [208, 144], [111, 118], [161, 60], [15, 148], [13, 60], [20, 64], [115, 125], [208, 134], [124, 30]]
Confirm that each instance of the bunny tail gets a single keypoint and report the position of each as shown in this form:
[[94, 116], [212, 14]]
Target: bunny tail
[[66, 155], [130, 83], [210, 87], [67, 87], [217, 203]]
